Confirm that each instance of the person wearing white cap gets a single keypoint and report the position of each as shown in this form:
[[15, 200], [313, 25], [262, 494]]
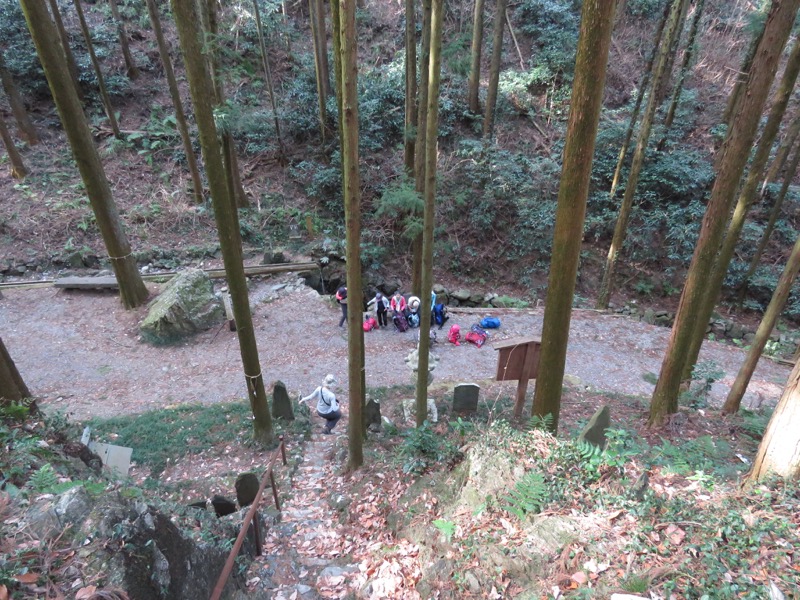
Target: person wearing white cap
[[327, 405]]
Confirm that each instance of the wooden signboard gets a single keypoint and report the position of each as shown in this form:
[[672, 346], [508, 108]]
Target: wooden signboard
[[518, 360]]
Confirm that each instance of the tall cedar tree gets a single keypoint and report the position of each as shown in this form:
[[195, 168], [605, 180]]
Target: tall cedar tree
[[26, 129], [597, 22], [660, 77], [336, 22], [688, 54], [352, 204], [747, 195], [419, 157], [63, 39], [779, 297], [177, 103], [774, 213], [494, 68], [130, 65], [18, 169], [735, 151], [743, 72], [410, 124], [779, 450], [474, 81], [323, 86], [229, 156], [12, 387], [98, 71], [201, 85], [643, 86], [431, 143], [131, 287], [268, 79], [781, 156]]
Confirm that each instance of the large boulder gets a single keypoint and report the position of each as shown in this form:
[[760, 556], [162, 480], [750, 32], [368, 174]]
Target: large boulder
[[186, 305]]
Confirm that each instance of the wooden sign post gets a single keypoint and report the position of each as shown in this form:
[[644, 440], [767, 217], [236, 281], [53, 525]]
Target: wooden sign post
[[518, 359]]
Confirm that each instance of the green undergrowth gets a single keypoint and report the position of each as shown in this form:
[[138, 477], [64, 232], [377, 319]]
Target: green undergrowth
[[162, 436], [682, 523]]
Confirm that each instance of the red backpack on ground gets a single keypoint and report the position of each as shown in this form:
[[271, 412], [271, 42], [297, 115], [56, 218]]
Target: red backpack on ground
[[454, 335], [477, 336], [370, 323]]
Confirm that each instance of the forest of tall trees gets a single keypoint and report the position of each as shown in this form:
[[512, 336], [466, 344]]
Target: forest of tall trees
[[597, 154]]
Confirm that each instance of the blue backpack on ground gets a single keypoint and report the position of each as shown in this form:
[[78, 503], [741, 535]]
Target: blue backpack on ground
[[440, 315], [490, 322]]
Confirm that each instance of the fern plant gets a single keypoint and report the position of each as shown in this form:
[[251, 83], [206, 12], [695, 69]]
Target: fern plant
[[528, 496], [43, 479]]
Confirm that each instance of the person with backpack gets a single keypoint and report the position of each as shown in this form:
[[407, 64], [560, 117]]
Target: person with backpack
[[398, 304], [399, 312], [327, 405], [341, 298], [381, 308]]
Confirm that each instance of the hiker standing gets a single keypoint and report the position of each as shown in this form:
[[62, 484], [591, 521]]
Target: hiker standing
[[327, 405], [341, 298], [381, 307]]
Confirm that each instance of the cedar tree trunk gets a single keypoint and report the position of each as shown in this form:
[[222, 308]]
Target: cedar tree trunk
[[474, 83], [494, 68], [431, 139], [180, 116], [12, 388], [201, 86], [131, 287], [746, 197], [731, 164], [132, 69], [18, 170], [597, 22], [779, 451], [779, 297], [26, 129]]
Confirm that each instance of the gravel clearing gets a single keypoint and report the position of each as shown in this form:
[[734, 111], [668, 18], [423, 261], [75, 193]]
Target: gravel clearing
[[80, 352]]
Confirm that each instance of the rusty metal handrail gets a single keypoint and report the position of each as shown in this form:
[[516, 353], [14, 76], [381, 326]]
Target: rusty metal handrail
[[248, 518]]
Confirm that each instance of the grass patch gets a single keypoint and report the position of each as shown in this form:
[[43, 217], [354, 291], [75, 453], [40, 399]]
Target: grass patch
[[168, 434]]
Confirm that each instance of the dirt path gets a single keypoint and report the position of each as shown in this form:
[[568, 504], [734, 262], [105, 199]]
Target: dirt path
[[80, 352]]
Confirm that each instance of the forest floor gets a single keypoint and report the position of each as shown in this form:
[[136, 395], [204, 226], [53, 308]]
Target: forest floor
[[80, 353]]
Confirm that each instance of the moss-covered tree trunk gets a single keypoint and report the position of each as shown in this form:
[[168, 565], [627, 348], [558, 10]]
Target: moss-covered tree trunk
[[352, 204], [673, 53], [63, 40], [98, 72], [771, 315], [779, 451], [201, 85], [774, 213], [18, 169], [177, 103], [431, 153], [130, 65], [494, 68], [474, 81], [12, 387], [597, 22], [419, 158], [736, 149], [691, 46], [131, 287], [268, 79], [747, 195], [26, 129], [322, 46], [660, 77], [781, 156], [643, 87]]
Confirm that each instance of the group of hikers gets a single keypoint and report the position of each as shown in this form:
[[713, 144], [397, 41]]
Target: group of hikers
[[405, 311]]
